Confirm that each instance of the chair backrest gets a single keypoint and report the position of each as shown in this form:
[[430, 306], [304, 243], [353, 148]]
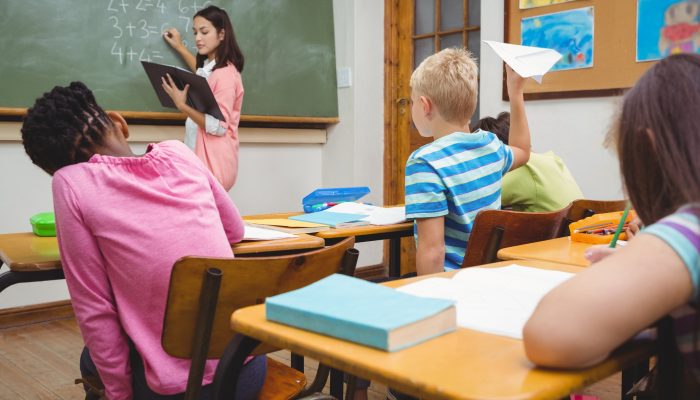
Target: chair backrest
[[204, 292], [243, 282], [583, 208], [495, 229]]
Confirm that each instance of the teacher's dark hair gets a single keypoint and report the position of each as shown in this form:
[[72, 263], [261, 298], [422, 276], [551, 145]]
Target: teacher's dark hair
[[228, 51], [657, 135], [64, 127]]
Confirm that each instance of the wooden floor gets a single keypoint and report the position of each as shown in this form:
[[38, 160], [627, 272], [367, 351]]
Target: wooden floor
[[40, 361]]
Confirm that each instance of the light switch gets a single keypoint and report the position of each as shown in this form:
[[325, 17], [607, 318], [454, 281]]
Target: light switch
[[344, 77]]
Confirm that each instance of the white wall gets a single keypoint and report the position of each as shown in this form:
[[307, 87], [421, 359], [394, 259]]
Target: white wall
[[354, 154], [272, 177], [572, 128]]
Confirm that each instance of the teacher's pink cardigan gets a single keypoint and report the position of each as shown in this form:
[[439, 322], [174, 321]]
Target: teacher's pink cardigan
[[220, 153]]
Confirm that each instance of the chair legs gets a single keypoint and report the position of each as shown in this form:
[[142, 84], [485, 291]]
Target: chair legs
[[230, 366], [202, 334]]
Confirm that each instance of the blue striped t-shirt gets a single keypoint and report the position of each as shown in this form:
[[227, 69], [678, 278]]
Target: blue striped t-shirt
[[456, 176], [681, 231]]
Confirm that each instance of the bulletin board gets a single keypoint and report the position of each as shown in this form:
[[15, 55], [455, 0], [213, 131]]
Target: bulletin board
[[614, 50]]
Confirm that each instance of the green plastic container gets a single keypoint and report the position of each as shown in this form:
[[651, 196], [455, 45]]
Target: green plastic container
[[43, 224]]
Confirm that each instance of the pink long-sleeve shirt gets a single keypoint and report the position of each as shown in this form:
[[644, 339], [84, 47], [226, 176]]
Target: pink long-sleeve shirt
[[220, 153], [121, 223]]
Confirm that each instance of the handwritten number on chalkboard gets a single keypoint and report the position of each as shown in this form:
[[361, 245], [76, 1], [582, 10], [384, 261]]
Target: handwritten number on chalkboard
[[183, 10], [187, 22], [161, 6], [144, 28], [117, 53], [116, 25], [110, 8], [142, 58], [139, 6]]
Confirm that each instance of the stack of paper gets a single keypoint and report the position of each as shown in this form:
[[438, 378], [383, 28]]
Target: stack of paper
[[492, 300], [375, 215], [331, 218], [256, 233]]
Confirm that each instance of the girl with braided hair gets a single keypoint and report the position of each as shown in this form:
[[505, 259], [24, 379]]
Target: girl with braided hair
[[122, 220], [219, 59]]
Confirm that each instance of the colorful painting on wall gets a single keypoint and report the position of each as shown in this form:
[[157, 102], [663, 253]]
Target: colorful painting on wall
[[568, 32], [525, 4], [666, 27]]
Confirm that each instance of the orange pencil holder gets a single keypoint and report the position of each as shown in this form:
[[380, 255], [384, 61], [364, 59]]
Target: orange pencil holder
[[599, 228]]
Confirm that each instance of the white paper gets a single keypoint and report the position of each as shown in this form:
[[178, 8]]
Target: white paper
[[255, 233], [527, 61], [375, 215], [492, 300]]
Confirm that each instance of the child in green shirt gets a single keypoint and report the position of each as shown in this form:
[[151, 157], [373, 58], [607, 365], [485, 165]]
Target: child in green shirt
[[543, 184]]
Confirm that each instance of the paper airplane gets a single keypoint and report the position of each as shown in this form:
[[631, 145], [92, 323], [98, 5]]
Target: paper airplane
[[527, 61]]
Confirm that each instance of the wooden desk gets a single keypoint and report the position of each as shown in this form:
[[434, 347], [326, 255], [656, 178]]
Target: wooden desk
[[31, 258], [365, 233], [464, 364], [559, 250]]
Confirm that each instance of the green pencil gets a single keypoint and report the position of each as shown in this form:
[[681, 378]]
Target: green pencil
[[620, 225]]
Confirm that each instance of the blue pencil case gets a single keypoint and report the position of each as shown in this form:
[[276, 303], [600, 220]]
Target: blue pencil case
[[323, 198]]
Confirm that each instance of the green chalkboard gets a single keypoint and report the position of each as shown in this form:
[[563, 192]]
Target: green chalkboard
[[288, 47]]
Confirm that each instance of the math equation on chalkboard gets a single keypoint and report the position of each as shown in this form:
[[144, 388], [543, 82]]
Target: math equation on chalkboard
[[137, 27]]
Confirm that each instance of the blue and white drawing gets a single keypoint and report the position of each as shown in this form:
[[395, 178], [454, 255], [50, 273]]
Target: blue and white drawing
[[568, 32]]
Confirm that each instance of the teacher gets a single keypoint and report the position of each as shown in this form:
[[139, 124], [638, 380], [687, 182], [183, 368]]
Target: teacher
[[220, 61]]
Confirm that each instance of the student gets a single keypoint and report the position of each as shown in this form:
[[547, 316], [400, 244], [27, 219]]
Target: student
[[459, 174], [543, 184], [219, 59], [122, 220], [657, 136]]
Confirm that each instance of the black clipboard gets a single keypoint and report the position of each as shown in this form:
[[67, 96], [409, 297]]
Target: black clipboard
[[199, 96]]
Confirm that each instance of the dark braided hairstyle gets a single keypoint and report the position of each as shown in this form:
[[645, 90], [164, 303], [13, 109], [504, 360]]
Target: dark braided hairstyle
[[64, 127]]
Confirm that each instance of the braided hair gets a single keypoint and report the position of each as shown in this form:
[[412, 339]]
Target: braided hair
[[64, 127]]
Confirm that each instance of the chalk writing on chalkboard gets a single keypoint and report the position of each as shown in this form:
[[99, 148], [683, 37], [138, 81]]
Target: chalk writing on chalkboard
[[143, 21]]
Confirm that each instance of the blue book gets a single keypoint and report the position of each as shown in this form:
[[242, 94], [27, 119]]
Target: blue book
[[330, 218], [363, 312]]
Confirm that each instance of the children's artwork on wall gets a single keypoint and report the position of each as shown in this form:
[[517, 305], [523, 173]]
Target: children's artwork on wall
[[525, 4], [568, 32], [666, 27]]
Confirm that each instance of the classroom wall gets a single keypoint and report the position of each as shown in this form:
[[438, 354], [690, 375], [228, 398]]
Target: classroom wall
[[353, 154], [573, 128], [272, 177]]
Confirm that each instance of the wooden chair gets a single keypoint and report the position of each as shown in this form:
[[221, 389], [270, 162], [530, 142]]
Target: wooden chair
[[204, 292], [583, 208], [495, 229]]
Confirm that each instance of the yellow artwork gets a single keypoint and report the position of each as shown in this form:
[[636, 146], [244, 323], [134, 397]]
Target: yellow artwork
[[540, 3]]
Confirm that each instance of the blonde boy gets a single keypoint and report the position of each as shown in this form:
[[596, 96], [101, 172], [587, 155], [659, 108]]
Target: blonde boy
[[459, 174]]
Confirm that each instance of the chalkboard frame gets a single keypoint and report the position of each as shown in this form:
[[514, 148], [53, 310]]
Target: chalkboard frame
[[14, 114]]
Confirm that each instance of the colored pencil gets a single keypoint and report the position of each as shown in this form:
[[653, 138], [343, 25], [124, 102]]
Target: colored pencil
[[620, 225]]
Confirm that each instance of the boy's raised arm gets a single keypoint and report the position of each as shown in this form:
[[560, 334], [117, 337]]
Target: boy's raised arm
[[519, 137]]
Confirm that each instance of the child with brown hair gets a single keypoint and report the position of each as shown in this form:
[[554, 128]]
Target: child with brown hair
[[657, 136], [543, 184]]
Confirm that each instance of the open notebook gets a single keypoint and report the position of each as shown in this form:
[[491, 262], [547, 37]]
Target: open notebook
[[492, 300]]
